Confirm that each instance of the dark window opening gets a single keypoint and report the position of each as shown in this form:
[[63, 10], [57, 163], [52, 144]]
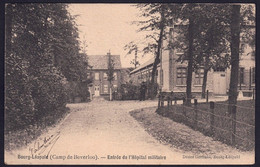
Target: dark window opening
[[181, 75]]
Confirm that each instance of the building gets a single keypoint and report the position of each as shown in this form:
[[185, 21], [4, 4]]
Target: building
[[171, 74], [246, 81], [99, 68], [143, 73], [174, 73]]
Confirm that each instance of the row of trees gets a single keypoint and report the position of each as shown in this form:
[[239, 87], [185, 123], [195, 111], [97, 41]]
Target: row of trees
[[207, 32], [41, 58]]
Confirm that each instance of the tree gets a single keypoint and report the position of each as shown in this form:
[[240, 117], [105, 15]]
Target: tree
[[110, 73], [190, 53], [41, 56], [19, 104], [205, 39], [132, 47], [187, 13], [235, 40], [211, 39], [205, 35], [84, 45], [168, 16], [155, 23]]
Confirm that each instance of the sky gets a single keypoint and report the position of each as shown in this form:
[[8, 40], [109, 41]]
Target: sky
[[107, 27]]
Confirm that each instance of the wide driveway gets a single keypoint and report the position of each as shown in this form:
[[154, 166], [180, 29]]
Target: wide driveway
[[103, 132], [98, 132]]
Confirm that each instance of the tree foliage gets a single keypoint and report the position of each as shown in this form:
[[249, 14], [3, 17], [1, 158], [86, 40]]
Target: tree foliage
[[42, 55], [133, 47], [210, 39], [111, 68]]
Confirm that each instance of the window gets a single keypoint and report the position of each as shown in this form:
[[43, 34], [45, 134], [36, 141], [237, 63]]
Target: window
[[253, 75], [241, 75], [115, 76], [181, 75], [105, 89], [199, 76], [96, 76], [105, 76]]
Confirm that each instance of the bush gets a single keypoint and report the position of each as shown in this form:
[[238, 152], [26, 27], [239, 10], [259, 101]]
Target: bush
[[152, 90], [130, 91], [78, 90], [127, 91], [49, 93], [19, 104], [175, 95]]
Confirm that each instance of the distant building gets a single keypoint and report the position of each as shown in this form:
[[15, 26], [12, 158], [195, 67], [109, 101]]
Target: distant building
[[143, 73], [99, 64]]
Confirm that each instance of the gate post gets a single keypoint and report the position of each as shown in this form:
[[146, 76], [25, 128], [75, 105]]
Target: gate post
[[162, 101], [212, 107], [183, 108], [196, 112]]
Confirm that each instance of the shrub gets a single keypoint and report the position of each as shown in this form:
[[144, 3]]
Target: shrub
[[152, 90], [78, 89], [19, 104], [127, 91], [49, 92]]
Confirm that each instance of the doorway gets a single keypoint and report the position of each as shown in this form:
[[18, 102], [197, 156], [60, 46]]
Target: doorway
[[219, 83], [97, 91]]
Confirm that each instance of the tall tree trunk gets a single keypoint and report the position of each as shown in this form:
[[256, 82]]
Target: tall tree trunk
[[190, 61], [110, 91], [235, 39], [204, 84], [135, 58], [207, 61], [158, 52]]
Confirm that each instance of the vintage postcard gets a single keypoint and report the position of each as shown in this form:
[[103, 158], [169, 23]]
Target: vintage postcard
[[155, 83]]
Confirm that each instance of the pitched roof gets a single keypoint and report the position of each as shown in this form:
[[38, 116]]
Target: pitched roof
[[100, 62], [144, 65]]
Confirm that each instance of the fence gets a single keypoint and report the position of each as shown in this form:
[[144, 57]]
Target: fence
[[231, 124]]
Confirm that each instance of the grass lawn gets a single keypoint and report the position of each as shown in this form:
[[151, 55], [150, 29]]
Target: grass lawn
[[178, 135], [221, 125]]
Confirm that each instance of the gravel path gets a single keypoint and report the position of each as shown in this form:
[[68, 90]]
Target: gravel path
[[99, 132]]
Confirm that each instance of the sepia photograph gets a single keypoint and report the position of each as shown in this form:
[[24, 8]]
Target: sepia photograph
[[129, 83]]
